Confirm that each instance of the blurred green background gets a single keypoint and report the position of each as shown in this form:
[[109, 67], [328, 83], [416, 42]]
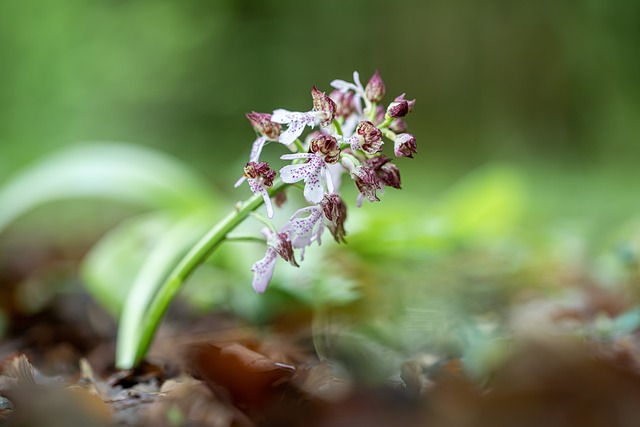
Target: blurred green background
[[543, 97]]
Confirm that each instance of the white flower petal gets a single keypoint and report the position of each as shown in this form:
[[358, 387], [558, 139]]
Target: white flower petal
[[281, 116], [303, 231], [267, 202], [294, 173], [343, 86], [297, 156], [256, 149], [240, 181], [313, 188], [263, 270]]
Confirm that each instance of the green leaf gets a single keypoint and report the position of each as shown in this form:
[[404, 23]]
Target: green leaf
[[111, 265], [164, 273], [110, 170], [169, 249]]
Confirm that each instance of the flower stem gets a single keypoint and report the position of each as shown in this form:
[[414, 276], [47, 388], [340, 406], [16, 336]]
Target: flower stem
[[169, 289]]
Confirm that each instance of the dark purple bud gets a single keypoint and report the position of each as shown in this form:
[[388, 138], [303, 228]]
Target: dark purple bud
[[410, 104], [344, 103], [282, 245], [335, 210], [262, 170], [398, 125], [367, 182], [398, 109], [374, 91], [405, 145], [387, 172], [327, 146], [262, 123], [372, 137], [322, 103]]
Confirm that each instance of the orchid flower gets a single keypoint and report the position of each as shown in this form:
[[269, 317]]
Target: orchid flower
[[277, 244], [324, 150], [260, 177], [304, 231], [268, 130], [324, 110]]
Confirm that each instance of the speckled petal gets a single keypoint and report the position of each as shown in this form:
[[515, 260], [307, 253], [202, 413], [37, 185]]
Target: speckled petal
[[294, 173], [263, 270]]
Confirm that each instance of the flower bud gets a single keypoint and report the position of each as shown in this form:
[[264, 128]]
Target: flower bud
[[405, 145], [398, 125], [374, 91], [327, 146], [262, 170], [344, 103], [372, 137], [262, 123], [387, 172], [325, 105], [410, 104], [335, 211], [398, 109]]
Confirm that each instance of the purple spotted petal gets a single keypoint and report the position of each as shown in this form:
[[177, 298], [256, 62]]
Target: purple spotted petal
[[310, 172], [296, 121], [257, 187], [303, 231], [263, 270]]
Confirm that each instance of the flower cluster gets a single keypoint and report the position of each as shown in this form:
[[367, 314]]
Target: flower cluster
[[350, 130]]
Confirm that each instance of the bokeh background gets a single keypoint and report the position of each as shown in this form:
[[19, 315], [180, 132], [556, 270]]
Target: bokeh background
[[527, 120]]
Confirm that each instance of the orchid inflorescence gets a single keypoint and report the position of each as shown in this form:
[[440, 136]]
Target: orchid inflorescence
[[350, 126]]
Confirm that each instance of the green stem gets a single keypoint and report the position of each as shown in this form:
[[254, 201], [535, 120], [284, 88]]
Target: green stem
[[174, 281]]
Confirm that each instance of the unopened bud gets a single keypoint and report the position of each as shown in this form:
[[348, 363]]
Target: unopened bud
[[410, 103], [405, 145], [262, 123], [335, 210], [344, 103], [398, 125], [327, 146], [325, 105], [398, 109], [374, 91]]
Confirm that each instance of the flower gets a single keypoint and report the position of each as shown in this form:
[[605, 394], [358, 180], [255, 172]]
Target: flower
[[398, 109], [336, 212], [387, 172], [365, 179], [304, 231], [324, 150], [356, 87], [260, 177], [324, 110], [367, 138], [277, 244], [268, 130], [398, 126], [375, 89], [345, 105], [405, 145]]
